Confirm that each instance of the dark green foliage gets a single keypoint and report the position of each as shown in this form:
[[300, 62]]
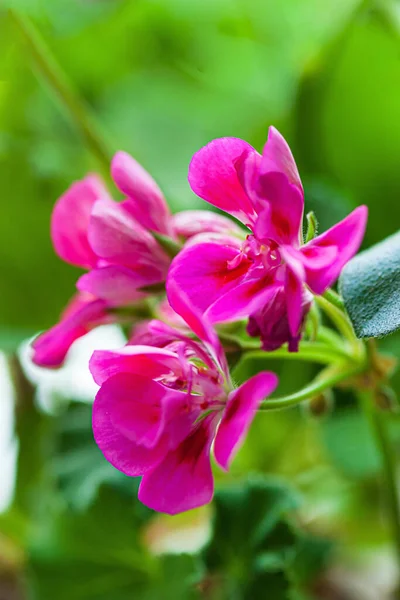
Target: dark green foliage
[[370, 286]]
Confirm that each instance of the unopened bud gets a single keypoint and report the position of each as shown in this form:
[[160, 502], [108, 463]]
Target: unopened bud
[[320, 405], [386, 399]]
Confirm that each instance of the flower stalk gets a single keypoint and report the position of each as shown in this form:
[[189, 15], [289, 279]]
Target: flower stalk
[[55, 77], [379, 429]]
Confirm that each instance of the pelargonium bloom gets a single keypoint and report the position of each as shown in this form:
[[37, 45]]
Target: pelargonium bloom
[[160, 408], [267, 275], [114, 242]]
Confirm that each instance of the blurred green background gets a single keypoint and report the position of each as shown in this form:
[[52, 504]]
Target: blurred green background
[[163, 78]]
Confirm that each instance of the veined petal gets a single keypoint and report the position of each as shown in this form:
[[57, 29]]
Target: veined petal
[[213, 177], [198, 323], [188, 223], [83, 313], [270, 322], [242, 301], [345, 237], [115, 284], [140, 360], [294, 284], [70, 221], [183, 480], [146, 201], [205, 271], [124, 454], [280, 206], [277, 158], [239, 412], [140, 408], [116, 236]]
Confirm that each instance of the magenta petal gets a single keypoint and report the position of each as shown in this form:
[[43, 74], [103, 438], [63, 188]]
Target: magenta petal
[[294, 297], [124, 454], [270, 322], [205, 272], [70, 221], [139, 407], [242, 301], [146, 201], [277, 157], [346, 236], [116, 236], [188, 223], [239, 412], [198, 323], [183, 479], [280, 206], [139, 360], [81, 315], [213, 177], [117, 285]]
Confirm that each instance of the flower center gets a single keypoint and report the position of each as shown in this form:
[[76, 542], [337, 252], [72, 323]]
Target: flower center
[[265, 253]]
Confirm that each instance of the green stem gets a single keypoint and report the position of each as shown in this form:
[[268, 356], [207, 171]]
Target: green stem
[[308, 352], [60, 84], [341, 321], [379, 428], [334, 299], [322, 382]]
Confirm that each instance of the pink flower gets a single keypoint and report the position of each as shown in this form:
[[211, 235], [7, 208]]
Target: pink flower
[[159, 408], [230, 279], [113, 241]]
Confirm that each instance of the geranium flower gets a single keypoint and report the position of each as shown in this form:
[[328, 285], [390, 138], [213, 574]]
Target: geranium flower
[[114, 242], [159, 409], [267, 274]]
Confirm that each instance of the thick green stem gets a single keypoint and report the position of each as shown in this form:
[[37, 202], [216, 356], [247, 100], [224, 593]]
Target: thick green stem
[[334, 299], [322, 382], [341, 321], [379, 428], [309, 352], [59, 83]]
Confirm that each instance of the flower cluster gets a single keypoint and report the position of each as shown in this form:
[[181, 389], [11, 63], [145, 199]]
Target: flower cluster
[[167, 396]]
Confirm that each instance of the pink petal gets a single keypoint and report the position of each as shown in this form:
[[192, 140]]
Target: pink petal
[[115, 235], [197, 322], [345, 237], [166, 313], [205, 271], [192, 222], [280, 205], [242, 301], [239, 413], [124, 454], [70, 221], [146, 201], [277, 158], [80, 317], [134, 405], [183, 479], [138, 360], [117, 285], [271, 324], [213, 177], [141, 409], [294, 287]]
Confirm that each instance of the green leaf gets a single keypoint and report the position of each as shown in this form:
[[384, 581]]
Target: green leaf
[[347, 437], [98, 555], [78, 465], [268, 585], [245, 518], [312, 556], [370, 286]]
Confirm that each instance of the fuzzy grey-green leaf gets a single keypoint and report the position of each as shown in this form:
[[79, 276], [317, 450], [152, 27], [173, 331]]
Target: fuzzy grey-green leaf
[[370, 286]]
